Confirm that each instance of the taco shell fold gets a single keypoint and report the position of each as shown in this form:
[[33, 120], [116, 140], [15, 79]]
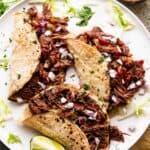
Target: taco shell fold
[[25, 55]]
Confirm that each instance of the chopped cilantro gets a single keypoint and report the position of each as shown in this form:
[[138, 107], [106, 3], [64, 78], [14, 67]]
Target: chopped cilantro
[[101, 60], [4, 5], [72, 76], [85, 15], [13, 139], [5, 56], [34, 42], [86, 87], [92, 72], [4, 63], [82, 101], [10, 40], [18, 76]]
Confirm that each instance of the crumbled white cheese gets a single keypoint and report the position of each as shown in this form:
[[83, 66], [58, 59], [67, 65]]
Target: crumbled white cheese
[[58, 29], [108, 59], [131, 86], [70, 56], [107, 37], [118, 48], [138, 83], [43, 86], [111, 39], [119, 61], [97, 140], [47, 33], [63, 100], [69, 105], [93, 116], [114, 40], [105, 54], [62, 50], [58, 44], [51, 75], [114, 99], [64, 54], [142, 91], [112, 73], [123, 82], [19, 100]]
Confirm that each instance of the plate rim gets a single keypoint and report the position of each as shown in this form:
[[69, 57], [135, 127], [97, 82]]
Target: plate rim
[[136, 18]]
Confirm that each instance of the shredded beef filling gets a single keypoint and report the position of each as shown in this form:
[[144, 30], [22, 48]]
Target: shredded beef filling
[[80, 109], [55, 57], [127, 75]]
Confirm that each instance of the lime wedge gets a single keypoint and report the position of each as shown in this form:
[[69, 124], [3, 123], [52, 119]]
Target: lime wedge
[[44, 143]]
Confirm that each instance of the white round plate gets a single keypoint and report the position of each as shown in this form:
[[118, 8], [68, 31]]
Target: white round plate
[[137, 39]]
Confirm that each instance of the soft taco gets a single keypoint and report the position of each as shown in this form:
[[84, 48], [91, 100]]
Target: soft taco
[[40, 57], [25, 55], [29, 75], [92, 70], [69, 116]]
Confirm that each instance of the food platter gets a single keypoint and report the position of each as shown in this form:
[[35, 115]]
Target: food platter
[[137, 39]]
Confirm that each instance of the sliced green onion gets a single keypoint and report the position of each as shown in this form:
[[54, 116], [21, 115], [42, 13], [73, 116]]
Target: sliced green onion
[[13, 139], [120, 17], [140, 108]]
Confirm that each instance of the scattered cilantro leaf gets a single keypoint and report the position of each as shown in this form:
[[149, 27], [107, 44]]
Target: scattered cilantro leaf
[[18, 76], [85, 14], [92, 72], [4, 63], [82, 101], [13, 139], [5, 56], [10, 40], [101, 60], [86, 87], [4, 5], [72, 76]]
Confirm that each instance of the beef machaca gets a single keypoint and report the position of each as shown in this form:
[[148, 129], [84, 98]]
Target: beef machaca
[[53, 57], [71, 117], [76, 118]]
